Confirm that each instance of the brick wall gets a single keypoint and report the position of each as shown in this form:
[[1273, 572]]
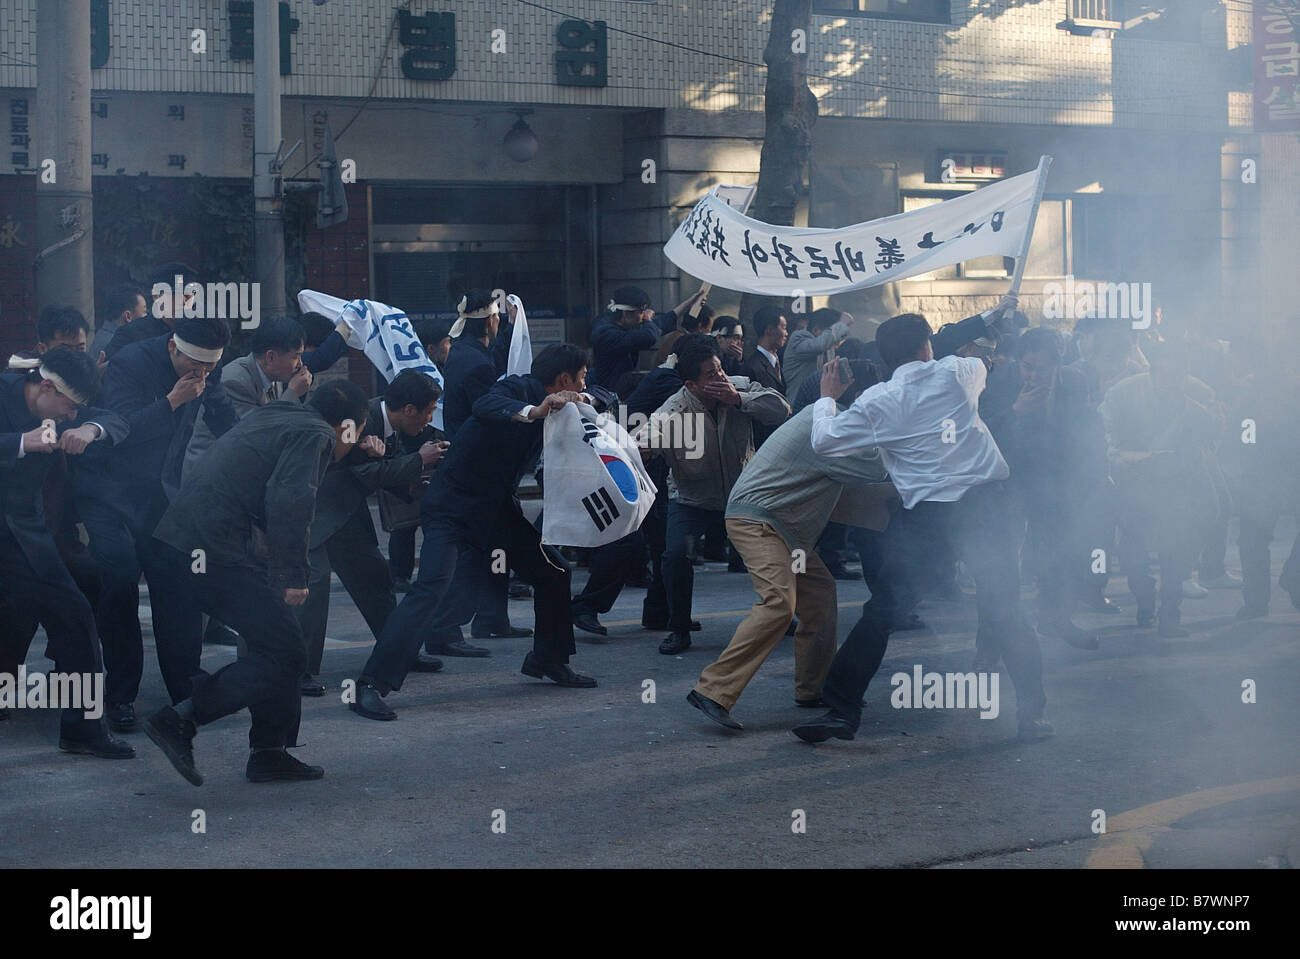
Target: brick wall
[[17, 252]]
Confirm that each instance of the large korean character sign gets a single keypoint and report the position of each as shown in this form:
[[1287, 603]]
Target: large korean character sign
[[596, 489]]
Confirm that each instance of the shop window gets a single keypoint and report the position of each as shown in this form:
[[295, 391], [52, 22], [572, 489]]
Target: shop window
[[928, 11]]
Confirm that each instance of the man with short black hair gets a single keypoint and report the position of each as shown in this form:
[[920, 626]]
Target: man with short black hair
[[726, 411], [808, 349], [948, 471], [628, 326], [123, 305], [471, 504], [234, 541], [165, 307], [43, 417], [155, 385], [273, 369], [343, 536], [57, 326]]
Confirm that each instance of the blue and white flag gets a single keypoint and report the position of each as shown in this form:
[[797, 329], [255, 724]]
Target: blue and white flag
[[381, 331]]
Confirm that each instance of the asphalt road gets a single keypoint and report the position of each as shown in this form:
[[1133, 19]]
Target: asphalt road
[[1151, 732]]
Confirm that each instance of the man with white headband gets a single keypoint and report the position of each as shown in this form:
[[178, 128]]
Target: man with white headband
[[165, 307], [156, 386], [629, 326], [477, 358], [41, 420]]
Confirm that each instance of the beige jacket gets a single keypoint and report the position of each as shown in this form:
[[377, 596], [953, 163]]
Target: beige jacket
[[707, 450]]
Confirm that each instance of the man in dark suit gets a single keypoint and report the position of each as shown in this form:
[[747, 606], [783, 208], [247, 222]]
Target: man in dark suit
[[342, 533], [471, 505], [164, 309], [41, 420], [476, 359], [234, 541], [764, 366], [272, 369], [155, 386]]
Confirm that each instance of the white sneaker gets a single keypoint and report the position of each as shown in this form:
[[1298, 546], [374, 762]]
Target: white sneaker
[[1194, 590], [1226, 581]]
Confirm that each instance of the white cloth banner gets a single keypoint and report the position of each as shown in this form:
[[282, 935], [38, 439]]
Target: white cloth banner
[[520, 360], [719, 245], [381, 331], [596, 489]]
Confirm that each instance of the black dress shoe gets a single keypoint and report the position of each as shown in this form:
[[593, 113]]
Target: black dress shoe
[[588, 623], [715, 711], [370, 704], [175, 737], [1034, 731], [559, 673], [695, 626], [905, 623], [675, 643], [462, 648], [95, 741], [426, 664], [121, 718], [1146, 616], [271, 765], [811, 703], [822, 729], [309, 687], [509, 632], [520, 591]]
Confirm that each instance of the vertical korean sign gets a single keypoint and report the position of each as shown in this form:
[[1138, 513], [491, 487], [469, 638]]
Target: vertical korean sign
[[1277, 66]]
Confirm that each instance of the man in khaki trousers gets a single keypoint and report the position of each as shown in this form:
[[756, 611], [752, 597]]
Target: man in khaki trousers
[[775, 514]]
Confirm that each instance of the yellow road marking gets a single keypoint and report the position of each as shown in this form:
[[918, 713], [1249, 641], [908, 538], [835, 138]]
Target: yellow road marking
[[1130, 834]]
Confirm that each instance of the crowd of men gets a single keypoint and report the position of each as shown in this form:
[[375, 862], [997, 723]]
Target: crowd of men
[[982, 452]]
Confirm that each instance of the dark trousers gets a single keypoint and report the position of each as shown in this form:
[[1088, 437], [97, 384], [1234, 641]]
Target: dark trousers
[[266, 678], [445, 547], [18, 624], [611, 565], [478, 596], [832, 544], [685, 523], [1259, 513], [401, 553], [977, 526], [353, 553], [654, 609], [122, 553], [1175, 552], [54, 601]]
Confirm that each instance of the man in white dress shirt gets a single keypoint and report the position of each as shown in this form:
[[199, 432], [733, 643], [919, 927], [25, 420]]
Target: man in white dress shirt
[[948, 471]]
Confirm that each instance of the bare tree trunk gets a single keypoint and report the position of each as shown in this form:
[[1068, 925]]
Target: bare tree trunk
[[790, 110]]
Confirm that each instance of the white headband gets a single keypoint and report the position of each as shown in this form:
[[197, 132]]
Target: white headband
[[458, 327], [615, 307], [199, 353], [17, 362], [62, 386]]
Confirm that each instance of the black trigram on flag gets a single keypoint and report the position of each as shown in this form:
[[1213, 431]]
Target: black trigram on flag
[[589, 430], [601, 508]]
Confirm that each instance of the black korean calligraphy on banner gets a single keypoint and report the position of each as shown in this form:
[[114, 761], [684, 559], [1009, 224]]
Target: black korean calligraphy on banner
[[720, 245]]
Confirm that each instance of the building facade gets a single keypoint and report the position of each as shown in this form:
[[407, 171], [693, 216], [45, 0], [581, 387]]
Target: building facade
[[638, 107]]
